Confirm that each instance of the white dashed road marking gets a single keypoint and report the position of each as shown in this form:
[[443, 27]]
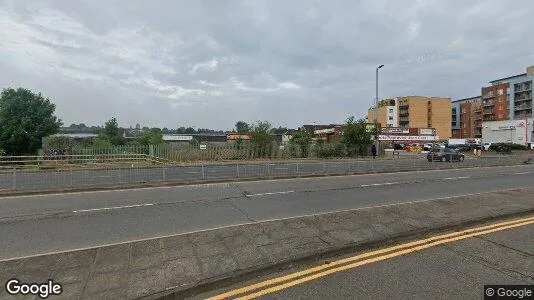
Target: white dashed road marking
[[379, 184], [270, 193], [112, 208], [457, 178]]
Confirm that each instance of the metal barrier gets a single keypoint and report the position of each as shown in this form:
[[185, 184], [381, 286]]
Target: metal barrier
[[101, 175], [68, 161]]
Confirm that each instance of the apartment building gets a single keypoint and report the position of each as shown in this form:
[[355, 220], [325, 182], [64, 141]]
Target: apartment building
[[467, 118], [509, 98], [496, 102], [387, 113], [426, 112]]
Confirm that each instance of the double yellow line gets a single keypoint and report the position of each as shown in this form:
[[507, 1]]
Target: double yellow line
[[284, 282]]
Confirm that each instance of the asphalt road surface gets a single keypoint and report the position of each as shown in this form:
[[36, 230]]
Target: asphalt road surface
[[39, 224], [53, 180], [457, 270]]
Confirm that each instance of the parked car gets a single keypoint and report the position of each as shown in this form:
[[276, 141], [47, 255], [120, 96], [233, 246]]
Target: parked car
[[427, 147], [464, 147], [445, 154], [486, 146]]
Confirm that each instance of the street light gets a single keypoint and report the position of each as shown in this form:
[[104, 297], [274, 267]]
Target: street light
[[376, 109]]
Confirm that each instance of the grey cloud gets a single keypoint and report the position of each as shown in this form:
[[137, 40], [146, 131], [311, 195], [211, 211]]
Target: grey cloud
[[136, 59]]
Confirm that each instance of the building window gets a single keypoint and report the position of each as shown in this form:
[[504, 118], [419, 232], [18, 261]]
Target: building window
[[499, 92], [391, 110], [390, 118]]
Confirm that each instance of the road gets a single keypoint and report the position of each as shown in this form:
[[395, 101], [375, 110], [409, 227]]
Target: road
[[53, 180], [455, 270], [39, 224]]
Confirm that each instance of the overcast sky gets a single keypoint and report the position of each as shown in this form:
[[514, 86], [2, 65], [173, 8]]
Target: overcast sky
[[210, 63]]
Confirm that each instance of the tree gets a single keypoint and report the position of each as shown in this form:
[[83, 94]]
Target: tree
[[56, 142], [152, 137], [101, 142], [25, 119], [261, 138], [303, 140], [356, 137], [112, 133], [190, 130], [242, 127], [279, 130]]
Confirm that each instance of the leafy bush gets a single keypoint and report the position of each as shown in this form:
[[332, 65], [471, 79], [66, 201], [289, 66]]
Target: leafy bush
[[331, 150], [518, 147], [506, 147], [501, 148]]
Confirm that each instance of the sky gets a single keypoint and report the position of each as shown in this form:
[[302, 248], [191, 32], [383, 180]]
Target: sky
[[208, 64]]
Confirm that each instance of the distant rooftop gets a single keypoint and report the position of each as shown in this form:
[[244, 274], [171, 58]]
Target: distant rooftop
[[467, 99], [507, 78]]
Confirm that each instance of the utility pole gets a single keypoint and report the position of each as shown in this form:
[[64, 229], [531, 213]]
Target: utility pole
[[376, 111]]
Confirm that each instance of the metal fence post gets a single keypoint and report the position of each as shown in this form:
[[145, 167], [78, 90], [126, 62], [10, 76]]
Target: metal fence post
[[268, 170], [14, 180], [164, 173], [324, 167], [297, 168], [71, 183], [203, 174], [237, 169]]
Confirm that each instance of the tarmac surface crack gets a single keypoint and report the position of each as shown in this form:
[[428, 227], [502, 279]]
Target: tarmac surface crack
[[507, 247], [481, 261]]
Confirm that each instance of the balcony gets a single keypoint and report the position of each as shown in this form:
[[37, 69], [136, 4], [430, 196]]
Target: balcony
[[489, 118], [488, 103], [523, 107], [527, 97], [523, 115], [488, 95], [522, 87], [488, 112]]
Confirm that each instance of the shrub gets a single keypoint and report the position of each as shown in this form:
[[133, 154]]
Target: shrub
[[501, 147], [518, 147], [331, 150]]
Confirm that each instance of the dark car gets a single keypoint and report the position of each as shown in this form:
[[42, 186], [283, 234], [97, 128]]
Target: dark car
[[445, 154], [460, 147]]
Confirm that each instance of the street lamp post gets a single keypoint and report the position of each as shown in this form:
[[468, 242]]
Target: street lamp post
[[376, 109]]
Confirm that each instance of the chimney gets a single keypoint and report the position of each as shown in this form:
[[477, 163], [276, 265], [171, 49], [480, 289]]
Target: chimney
[[530, 70]]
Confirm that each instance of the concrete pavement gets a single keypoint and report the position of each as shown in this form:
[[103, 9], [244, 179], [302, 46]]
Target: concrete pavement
[[457, 270], [80, 220], [178, 263]]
